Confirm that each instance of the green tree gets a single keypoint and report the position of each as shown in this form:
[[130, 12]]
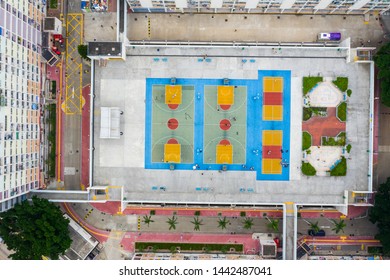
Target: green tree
[[35, 229], [248, 223], [223, 222], [380, 215], [147, 220], [314, 227], [273, 224], [197, 223], [83, 51], [338, 226], [172, 222], [382, 61]]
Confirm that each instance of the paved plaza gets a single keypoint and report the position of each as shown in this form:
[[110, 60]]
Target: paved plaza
[[121, 162]]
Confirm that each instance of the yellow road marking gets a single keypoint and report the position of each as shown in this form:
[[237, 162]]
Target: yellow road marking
[[81, 224], [73, 97]]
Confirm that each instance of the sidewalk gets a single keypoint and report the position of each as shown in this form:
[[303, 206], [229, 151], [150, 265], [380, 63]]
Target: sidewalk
[[125, 228]]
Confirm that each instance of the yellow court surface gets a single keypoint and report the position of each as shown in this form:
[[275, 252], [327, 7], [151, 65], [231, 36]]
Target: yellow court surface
[[272, 137], [225, 95], [271, 166], [172, 153], [173, 94], [272, 112], [272, 84], [224, 154]]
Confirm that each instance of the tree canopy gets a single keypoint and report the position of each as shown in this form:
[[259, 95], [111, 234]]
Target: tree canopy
[[83, 51], [35, 229], [380, 214], [382, 61]]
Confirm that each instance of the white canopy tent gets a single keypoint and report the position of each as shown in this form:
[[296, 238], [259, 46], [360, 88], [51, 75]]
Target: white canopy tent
[[110, 123]]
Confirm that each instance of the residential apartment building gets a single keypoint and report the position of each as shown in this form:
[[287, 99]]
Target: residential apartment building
[[262, 6], [20, 88]]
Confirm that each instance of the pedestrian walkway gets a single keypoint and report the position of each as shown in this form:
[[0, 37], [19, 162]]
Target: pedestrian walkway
[[116, 226], [85, 134]]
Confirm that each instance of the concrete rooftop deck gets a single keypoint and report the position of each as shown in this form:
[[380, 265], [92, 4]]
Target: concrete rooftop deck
[[120, 162]]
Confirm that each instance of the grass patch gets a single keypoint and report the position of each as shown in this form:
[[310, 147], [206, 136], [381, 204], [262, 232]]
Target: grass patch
[[308, 169], [341, 83], [309, 83], [307, 113], [340, 169], [342, 111], [334, 141], [51, 161], [376, 250], [188, 247], [53, 87], [53, 4], [349, 92], [306, 140], [242, 213], [349, 147]]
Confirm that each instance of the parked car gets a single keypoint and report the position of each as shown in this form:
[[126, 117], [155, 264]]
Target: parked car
[[311, 232], [332, 36]]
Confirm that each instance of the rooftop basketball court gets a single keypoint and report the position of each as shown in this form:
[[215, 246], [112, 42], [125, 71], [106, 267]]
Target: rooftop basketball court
[[219, 124], [171, 127]]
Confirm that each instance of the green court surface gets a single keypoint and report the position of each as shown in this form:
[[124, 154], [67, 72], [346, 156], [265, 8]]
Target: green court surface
[[181, 121], [222, 124]]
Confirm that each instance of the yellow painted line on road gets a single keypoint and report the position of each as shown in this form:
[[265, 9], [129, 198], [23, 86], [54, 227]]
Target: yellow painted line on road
[[82, 225], [341, 241], [289, 202], [73, 97]]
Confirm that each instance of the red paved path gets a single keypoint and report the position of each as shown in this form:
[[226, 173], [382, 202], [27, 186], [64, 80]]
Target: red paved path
[[113, 208], [323, 126], [85, 115]]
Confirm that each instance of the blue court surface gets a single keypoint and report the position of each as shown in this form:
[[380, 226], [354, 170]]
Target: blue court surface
[[200, 125]]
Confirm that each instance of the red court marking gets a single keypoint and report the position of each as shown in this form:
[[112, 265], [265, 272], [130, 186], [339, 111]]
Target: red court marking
[[224, 142], [320, 126], [173, 106], [173, 124], [272, 152], [273, 98], [225, 107], [172, 141], [225, 124]]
